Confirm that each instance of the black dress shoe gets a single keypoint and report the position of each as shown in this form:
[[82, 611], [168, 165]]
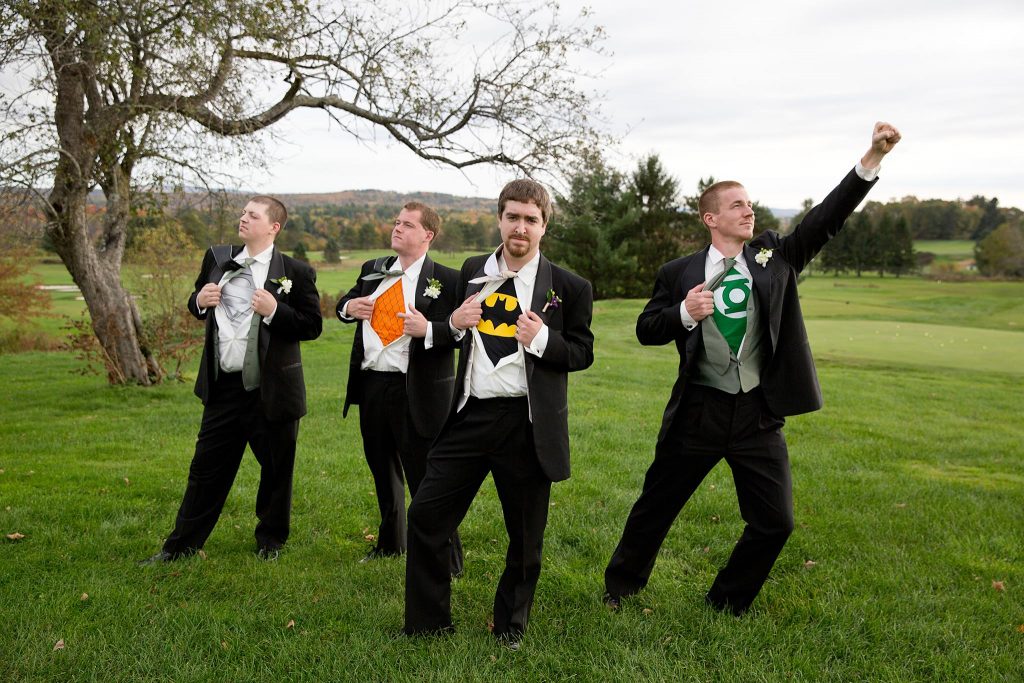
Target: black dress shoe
[[612, 602], [724, 606], [376, 554], [162, 556], [510, 641], [268, 554]]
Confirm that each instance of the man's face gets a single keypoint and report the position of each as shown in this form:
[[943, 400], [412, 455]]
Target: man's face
[[521, 226], [734, 219], [255, 227], [409, 237]]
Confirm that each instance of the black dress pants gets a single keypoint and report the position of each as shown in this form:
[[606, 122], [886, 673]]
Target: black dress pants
[[487, 435], [392, 445], [232, 418], [709, 426]]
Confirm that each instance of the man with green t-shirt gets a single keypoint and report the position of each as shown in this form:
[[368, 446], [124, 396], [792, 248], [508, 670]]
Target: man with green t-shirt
[[733, 312]]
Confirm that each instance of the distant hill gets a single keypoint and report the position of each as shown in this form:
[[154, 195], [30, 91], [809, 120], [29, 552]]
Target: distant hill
[[438, 200]]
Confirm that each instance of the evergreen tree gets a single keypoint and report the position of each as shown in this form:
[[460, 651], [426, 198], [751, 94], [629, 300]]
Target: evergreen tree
[[331, 254], [588, 232], [300, 253]]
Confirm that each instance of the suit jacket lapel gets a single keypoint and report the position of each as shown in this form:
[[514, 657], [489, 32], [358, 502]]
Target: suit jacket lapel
[[426, 272], [274, 272], [541, 284], [693, 275], [762, 277]]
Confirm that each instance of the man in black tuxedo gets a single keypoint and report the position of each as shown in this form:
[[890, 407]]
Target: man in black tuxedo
[[523, 325], [402, 370], [744, 365], [258, 305]]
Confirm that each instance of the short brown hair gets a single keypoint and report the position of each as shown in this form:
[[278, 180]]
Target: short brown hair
[[275, 209], [428, 217], [528, 192], [708, 202]]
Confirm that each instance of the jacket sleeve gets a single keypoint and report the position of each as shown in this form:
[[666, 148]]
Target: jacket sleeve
[[572, 347], [201, 281], [660, 322], [353, 293], [824, 221]]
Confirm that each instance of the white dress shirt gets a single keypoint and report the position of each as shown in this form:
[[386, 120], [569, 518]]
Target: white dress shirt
[[231, 342], [395, 356], [508, 377]]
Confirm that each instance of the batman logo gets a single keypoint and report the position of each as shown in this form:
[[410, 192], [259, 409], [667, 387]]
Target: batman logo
[[497, 326]]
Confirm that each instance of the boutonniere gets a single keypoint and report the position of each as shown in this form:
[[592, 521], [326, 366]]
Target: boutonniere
[[553, 301], [433, 289], [284, 283], [763, 257]]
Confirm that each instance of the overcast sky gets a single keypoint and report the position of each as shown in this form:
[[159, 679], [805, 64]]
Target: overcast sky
[[779, 95]]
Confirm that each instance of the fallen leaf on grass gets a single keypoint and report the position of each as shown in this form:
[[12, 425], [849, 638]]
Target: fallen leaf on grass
[[715, 519], [999, 585], [1, 470], [59, 645], [1020, 629], [85, 596], [290, 624], [224, 644], [201, 554], [648, 610], [901, 505], [366, 530], [707, 549], [493, 659], [667, 640], [15, 536], [126, 482], [809, 563], [369, 537]]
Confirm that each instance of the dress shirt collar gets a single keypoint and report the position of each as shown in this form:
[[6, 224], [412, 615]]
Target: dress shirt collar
[[262, 257], [413, 271], [495, 265], [715, 257]]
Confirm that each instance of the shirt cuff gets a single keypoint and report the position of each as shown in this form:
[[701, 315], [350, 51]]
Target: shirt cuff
[[688, 322], [266, 321], [457, 334], [540, 342], [343, 313], [428, 340], [867, 174]]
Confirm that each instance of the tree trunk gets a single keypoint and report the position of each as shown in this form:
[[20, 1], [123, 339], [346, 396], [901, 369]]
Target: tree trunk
[[97, 272]]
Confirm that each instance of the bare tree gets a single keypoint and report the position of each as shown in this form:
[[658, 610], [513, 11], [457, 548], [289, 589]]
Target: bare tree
[[121, 96]]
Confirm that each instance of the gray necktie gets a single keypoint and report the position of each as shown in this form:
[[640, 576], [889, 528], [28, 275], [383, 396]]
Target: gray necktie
[[715, 282]]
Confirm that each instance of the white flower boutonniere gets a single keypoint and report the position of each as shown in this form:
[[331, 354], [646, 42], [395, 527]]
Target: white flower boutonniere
[[763, 257], [433, 289], [285, 283]]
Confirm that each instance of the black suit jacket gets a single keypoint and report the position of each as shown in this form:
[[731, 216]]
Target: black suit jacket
[[788, 378], [570, 347], [282, 386], [430, 379]]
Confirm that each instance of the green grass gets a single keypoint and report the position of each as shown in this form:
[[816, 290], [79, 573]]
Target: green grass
[[908, 489], [949, 249]]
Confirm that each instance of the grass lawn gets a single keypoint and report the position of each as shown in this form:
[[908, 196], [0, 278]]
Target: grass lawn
[[906, 564]]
